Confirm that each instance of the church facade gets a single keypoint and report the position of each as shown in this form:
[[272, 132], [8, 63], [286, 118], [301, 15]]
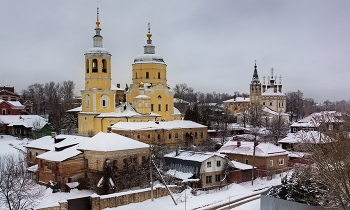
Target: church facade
[[268, 94], [149, 98]]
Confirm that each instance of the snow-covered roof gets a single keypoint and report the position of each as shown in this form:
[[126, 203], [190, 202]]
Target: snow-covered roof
[[247, 148], [72, 185], [176, 111], [48, 143], [271, 92], [269, 111], [97, 50], [301, 136], [28, 121], [111, 142], [33, 168], [179, 174], [193, 156], [14, 104], [149, 58], [62, 155], [241, 166], [238, 99], [156, 125], [179, 100], [126, 110], [77, 109], [142, 96], [314, 119]]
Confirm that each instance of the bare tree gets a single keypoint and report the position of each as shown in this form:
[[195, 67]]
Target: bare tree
[[330, 159], [277, 128], [17, 189]]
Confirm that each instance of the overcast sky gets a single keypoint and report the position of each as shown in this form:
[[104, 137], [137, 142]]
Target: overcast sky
[[210, 45]]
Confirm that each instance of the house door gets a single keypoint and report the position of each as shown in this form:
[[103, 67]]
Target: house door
[[79, 203]]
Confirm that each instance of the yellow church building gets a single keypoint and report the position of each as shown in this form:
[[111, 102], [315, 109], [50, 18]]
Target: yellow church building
[[148, 98]]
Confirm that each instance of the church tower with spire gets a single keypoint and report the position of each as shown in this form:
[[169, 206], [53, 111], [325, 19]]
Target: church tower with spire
[[255, 87], [98, 95], [149, 79]]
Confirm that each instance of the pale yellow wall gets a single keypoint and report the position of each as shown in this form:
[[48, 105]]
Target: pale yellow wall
[[139, 73], [97, 79]]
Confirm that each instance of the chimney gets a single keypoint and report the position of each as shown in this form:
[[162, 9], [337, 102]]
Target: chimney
[[118, 85], [238, 143], [53, 134]]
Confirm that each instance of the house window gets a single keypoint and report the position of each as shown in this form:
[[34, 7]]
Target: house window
[[159, 137], [57, 166], [208, 179], [271, 163], [158, 75], [176, 135], [294, 130], [149, 136], [209, 164], [217, 177], [264, 103], [147, 75], [202, 134], [138, 136], [8, 111], [166, 107], [152, 109], [270, 103], [30, 155], [126, 135], [330, 127], [86, 163], [49, 165], [218, 163], [104, 101], [159, 107], [246, 161], [143, 159], [169, 136], [195, 135], [281, 161]]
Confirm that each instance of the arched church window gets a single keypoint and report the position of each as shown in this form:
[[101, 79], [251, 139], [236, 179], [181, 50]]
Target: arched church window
[[87, 66], [87, 101], [158, 75], [104, 66], [104, 101], [94, 65], [147, 75]]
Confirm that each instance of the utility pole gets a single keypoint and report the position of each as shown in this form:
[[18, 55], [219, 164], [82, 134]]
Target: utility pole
[[150, 172]]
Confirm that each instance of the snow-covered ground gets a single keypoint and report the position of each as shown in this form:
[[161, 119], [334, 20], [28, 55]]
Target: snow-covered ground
[[10, 145], [205, 199]]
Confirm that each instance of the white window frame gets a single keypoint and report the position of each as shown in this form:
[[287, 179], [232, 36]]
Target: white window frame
[[106, 99], [271, 163], [281, 161], [87, 101]]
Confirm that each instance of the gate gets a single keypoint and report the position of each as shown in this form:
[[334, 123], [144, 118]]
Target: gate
[[83, 203]]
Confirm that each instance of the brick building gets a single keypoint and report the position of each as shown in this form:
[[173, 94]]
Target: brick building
[[172, 133]]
